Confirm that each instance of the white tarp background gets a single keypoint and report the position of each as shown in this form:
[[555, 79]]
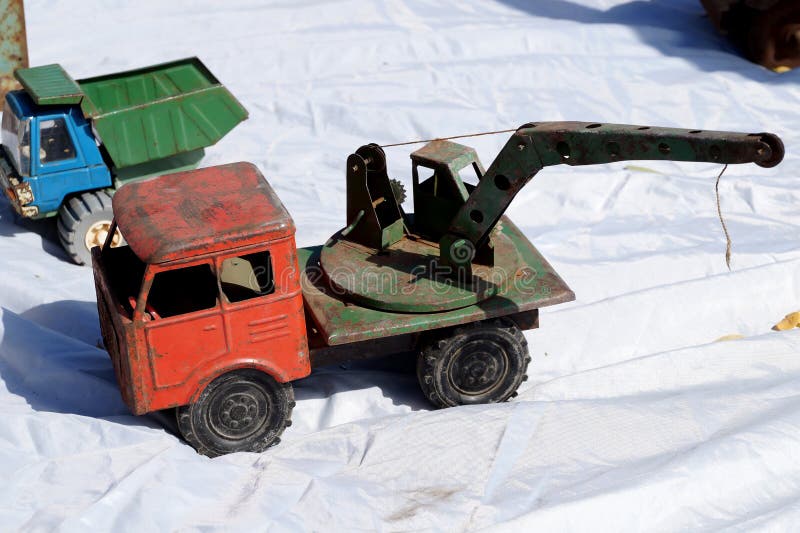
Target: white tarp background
[[633, 419]]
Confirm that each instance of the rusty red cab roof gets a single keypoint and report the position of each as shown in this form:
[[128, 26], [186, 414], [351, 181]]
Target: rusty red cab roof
[[208, 210]]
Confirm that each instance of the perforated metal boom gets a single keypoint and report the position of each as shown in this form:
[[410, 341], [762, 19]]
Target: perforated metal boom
[[535, 146]]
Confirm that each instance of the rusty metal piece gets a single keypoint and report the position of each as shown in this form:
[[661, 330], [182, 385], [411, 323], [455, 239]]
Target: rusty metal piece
[[450, 255], [183, 214], [535, 146], [13, 44], [339, 320], [767, 31], [439, 191], [406, 276], [185, 232], [374, 218]]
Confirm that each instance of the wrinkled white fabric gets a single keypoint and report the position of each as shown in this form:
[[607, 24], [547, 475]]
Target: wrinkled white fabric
[[633, 418]]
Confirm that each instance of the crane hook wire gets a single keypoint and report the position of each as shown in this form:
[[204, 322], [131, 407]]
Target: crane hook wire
[[722, 220]]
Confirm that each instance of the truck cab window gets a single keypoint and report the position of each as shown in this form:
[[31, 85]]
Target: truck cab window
[[55, 142], [470, 175], [439, 183], [14, 136], [248, 276], [183, 290]]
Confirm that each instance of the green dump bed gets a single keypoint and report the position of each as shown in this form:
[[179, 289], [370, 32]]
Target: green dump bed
[[145, 114]]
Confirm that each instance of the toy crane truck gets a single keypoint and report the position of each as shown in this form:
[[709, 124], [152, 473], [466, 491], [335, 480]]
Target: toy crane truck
[[212, 310], [68, 145]]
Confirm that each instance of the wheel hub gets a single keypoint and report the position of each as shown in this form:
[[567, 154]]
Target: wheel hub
[[478, 367], [98, 233], [238, 414]]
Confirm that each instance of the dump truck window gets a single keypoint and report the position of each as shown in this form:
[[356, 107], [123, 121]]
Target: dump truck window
[[183, 290], [25, 147], [56, 144], [248, 276], [13, 130]]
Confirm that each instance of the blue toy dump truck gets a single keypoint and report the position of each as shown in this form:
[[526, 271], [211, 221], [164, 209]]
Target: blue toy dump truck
[[68, 145]]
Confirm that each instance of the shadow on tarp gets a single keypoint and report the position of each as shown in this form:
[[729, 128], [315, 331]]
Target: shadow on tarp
[[677, 28], [12, 224], [52, 356], [395, 376], [53, 371]]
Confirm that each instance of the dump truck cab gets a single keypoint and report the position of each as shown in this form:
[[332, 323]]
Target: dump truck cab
[[49, 152], [207, 285]]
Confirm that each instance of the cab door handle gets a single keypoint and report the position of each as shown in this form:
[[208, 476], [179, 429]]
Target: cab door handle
[[210, 328]]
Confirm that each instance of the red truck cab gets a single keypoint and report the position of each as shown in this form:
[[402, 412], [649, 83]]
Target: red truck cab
[[207, 286]]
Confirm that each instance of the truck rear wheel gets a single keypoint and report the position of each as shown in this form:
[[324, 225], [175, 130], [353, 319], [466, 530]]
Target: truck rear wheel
[[241, 411], [83, 222], [484, 362]]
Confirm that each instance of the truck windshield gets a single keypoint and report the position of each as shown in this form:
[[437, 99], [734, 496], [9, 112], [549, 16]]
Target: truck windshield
[[16, 140]]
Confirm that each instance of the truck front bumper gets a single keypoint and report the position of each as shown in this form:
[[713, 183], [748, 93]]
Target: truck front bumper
[[17, 190]]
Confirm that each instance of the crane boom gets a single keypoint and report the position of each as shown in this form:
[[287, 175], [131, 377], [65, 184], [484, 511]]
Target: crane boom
[[535, 146]]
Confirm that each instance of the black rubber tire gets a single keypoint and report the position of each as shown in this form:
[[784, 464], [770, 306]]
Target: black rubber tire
[[213, 424], [483, 362], [76, 216]]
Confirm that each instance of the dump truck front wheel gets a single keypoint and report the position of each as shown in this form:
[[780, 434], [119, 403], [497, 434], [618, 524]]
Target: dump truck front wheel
[[83, 223], [241, 411], [484, 362]]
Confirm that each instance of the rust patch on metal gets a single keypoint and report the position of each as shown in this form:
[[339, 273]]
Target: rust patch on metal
[[13, 44]]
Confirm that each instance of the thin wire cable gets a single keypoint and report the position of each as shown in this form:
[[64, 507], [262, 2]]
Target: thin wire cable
[[447, 138], [722, 221]]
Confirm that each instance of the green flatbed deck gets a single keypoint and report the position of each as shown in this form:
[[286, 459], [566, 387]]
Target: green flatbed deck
[[342, 322]]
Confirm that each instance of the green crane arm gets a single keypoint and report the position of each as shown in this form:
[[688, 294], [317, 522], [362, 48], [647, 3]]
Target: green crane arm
[[535, 146]]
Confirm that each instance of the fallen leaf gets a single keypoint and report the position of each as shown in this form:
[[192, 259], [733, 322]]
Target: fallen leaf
[[792, 320], [731, 337]]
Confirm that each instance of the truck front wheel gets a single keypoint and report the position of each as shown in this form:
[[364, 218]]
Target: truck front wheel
[[83, 223], [484, 362], [241, 411]]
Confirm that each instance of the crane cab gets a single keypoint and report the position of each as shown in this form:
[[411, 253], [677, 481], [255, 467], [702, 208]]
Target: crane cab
[[439, 190], [207, 284]]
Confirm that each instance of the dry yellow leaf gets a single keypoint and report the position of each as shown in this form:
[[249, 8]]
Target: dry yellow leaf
[[792, 320], [731, 337]]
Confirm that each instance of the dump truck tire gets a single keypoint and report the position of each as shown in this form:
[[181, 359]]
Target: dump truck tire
[[241, 411], [484, 362], [83, 221]]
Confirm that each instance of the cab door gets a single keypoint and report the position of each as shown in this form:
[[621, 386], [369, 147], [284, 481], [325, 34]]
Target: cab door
[[263, 309], [183, 323], [58, 164]]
